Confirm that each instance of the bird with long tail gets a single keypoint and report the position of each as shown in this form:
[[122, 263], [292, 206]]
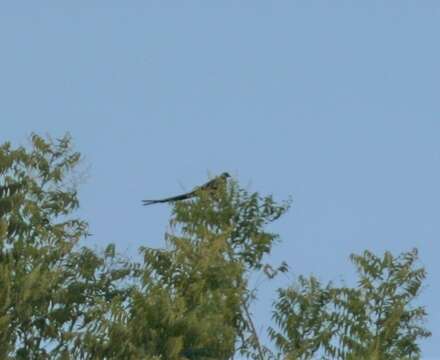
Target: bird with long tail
[[211, 185]]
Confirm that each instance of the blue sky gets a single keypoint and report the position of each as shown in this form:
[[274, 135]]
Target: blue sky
[[334, 103]]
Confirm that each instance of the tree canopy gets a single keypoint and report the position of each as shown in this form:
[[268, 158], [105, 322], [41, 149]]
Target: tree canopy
[[59, 299]]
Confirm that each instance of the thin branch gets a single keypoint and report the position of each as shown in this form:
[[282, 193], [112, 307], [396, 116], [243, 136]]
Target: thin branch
[[253, 330]]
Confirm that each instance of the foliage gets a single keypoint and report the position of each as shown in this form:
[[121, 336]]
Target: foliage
[[48, 290], [189, 301], [36, 234], [213, 243], [376, 320]]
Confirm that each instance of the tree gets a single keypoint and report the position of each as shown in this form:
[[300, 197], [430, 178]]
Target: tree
[[376, 320], [48, 286], [215, 242], [36, 234], [191, 300]]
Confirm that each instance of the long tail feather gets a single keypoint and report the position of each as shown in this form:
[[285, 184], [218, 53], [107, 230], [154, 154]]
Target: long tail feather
[[170, 199]]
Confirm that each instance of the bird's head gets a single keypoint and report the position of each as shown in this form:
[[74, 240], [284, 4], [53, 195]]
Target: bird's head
[[225, 175]]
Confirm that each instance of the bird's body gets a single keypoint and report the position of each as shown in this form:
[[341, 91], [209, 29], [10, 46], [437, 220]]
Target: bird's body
[[211, 185]]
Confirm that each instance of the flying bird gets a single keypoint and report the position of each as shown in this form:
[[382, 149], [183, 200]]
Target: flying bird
[[211, 185]]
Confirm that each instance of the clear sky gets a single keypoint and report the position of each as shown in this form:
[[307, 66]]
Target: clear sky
[[333, 102]]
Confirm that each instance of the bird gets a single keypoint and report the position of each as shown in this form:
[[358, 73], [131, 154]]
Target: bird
[[211, 185]]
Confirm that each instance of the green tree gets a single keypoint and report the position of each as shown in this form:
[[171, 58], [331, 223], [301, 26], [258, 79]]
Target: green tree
[[191, 300], [216, 241], [48, 286], [375, 320], [36, 235]]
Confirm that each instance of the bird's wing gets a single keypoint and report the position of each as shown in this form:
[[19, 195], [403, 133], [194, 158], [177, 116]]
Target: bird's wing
[[212, 184], [170, 199]]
